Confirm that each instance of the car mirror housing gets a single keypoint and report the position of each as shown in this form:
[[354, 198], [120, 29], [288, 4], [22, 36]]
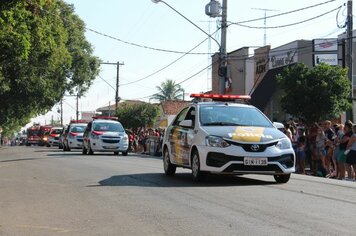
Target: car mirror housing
[[186, 123]]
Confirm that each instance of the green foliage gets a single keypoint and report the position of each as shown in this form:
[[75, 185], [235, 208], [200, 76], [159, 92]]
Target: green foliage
[[135, 116], [43, 54], [315, 94], [168, 91]]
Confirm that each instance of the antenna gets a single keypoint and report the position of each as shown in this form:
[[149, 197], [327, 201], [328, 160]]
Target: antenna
[[209, 55], [265, 17]]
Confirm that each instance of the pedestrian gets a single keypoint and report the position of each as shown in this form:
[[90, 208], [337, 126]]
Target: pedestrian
[[320, 143], [300, 151], [351, 155], [329, 147]]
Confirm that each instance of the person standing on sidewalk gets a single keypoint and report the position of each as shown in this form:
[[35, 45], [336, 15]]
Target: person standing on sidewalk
[[351, 155]]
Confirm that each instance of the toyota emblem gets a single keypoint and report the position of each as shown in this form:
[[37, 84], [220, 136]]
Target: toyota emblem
[[255, 147]]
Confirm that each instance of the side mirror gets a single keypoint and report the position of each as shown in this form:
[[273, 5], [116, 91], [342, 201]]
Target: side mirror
[[186, 123], [278, 125]]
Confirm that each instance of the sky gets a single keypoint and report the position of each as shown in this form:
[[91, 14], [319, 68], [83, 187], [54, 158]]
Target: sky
[[151, 41]]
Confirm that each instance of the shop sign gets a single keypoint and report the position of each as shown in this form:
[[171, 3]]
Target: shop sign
[[322, 45], [330, 59]]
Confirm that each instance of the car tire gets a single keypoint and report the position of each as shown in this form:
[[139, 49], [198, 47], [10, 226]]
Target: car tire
[[125, 153], [281, 179], [197, 174], [169, 168], [116, 153]]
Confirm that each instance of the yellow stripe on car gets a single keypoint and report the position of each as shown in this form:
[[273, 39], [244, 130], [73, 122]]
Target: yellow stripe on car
[[249, 134]]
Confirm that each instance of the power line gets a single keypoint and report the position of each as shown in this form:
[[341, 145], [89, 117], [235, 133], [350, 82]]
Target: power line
[[287, 25], [284, 13], [143, 46]]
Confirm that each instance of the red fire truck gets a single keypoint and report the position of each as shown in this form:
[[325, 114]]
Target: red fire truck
[[32, 135]]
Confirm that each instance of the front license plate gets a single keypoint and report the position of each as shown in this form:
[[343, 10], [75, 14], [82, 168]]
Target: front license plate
[[249, 161]]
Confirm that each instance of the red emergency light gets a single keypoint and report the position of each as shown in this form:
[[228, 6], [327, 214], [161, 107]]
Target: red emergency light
[[220, 97], [79, 121], [105, 118]]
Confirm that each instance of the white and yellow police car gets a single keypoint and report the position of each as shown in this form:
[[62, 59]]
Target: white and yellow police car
[[225, 137]]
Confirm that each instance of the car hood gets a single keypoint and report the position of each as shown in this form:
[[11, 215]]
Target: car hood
[[113, 134], [245, 133]]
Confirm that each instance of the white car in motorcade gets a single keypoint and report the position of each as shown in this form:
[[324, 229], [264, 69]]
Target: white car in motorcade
[[53, 137], [73, 138], [105, 134], [226, 137]]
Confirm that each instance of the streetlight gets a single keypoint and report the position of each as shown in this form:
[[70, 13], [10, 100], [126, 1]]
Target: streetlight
[[212, 9]]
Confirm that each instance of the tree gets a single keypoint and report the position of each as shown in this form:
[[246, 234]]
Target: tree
[[43, 54], [315, 94], [135, 116], [168, 91]]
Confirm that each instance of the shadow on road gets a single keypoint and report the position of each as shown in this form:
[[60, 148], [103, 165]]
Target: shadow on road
[[179, 180], [22, 159]]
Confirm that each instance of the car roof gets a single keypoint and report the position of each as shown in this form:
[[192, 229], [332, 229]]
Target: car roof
[[105, 120], [216, 103]]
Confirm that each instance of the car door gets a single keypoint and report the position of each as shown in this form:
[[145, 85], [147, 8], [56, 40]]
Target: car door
[[182, 136], [174, 135]]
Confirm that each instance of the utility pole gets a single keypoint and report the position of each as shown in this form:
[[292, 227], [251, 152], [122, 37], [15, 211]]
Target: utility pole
[[223, 62], [62, 112], [265, 21], [349, 56], [77, 106], [118, 64]]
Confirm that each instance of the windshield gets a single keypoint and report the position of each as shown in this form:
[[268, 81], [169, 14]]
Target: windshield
[[56, 131], [106, 126], [78, 128], [232, 116]]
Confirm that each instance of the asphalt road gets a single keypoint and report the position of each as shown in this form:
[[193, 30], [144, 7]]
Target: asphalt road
[[44, 191]]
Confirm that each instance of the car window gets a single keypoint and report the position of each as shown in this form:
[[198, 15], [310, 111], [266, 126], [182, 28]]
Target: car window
[[56, 131], [232, 116], [191, 115], [106, 126], [181, 116], [78, 129]]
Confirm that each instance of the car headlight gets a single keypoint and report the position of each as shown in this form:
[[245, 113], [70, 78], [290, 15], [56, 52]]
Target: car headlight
[[284, 144], [215, 141]]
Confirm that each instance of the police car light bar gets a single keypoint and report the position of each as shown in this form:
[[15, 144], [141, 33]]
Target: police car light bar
[[79, 121], [105, 117], [220, 97]]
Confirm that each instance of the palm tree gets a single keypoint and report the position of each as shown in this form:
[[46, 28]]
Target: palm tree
[[168, 91]]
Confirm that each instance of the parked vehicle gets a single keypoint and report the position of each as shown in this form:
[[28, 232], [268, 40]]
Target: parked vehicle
[[73, 137], [54, 133], [225, 137], [105, 134], [33, 135], [43, 134]]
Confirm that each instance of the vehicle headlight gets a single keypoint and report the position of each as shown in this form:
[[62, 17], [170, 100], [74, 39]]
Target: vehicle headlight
[[284, 144], [215, 141]]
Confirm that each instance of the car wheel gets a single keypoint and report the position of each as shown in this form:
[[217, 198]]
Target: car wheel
[[116, 153], [197, 174], [125, 153], [281, 179], [169, 168]]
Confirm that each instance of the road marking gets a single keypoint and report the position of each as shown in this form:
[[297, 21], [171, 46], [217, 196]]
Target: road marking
[[44, 227]]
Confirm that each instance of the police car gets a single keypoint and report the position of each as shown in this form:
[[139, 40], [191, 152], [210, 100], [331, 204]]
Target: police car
[[225, 137], [73, 137], [105, 134]]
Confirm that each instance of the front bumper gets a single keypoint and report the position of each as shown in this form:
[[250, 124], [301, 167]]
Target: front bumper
[[230, 160]]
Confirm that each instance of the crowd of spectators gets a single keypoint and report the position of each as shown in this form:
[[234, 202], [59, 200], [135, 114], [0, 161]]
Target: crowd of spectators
[[324, 149], [147, 141]]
